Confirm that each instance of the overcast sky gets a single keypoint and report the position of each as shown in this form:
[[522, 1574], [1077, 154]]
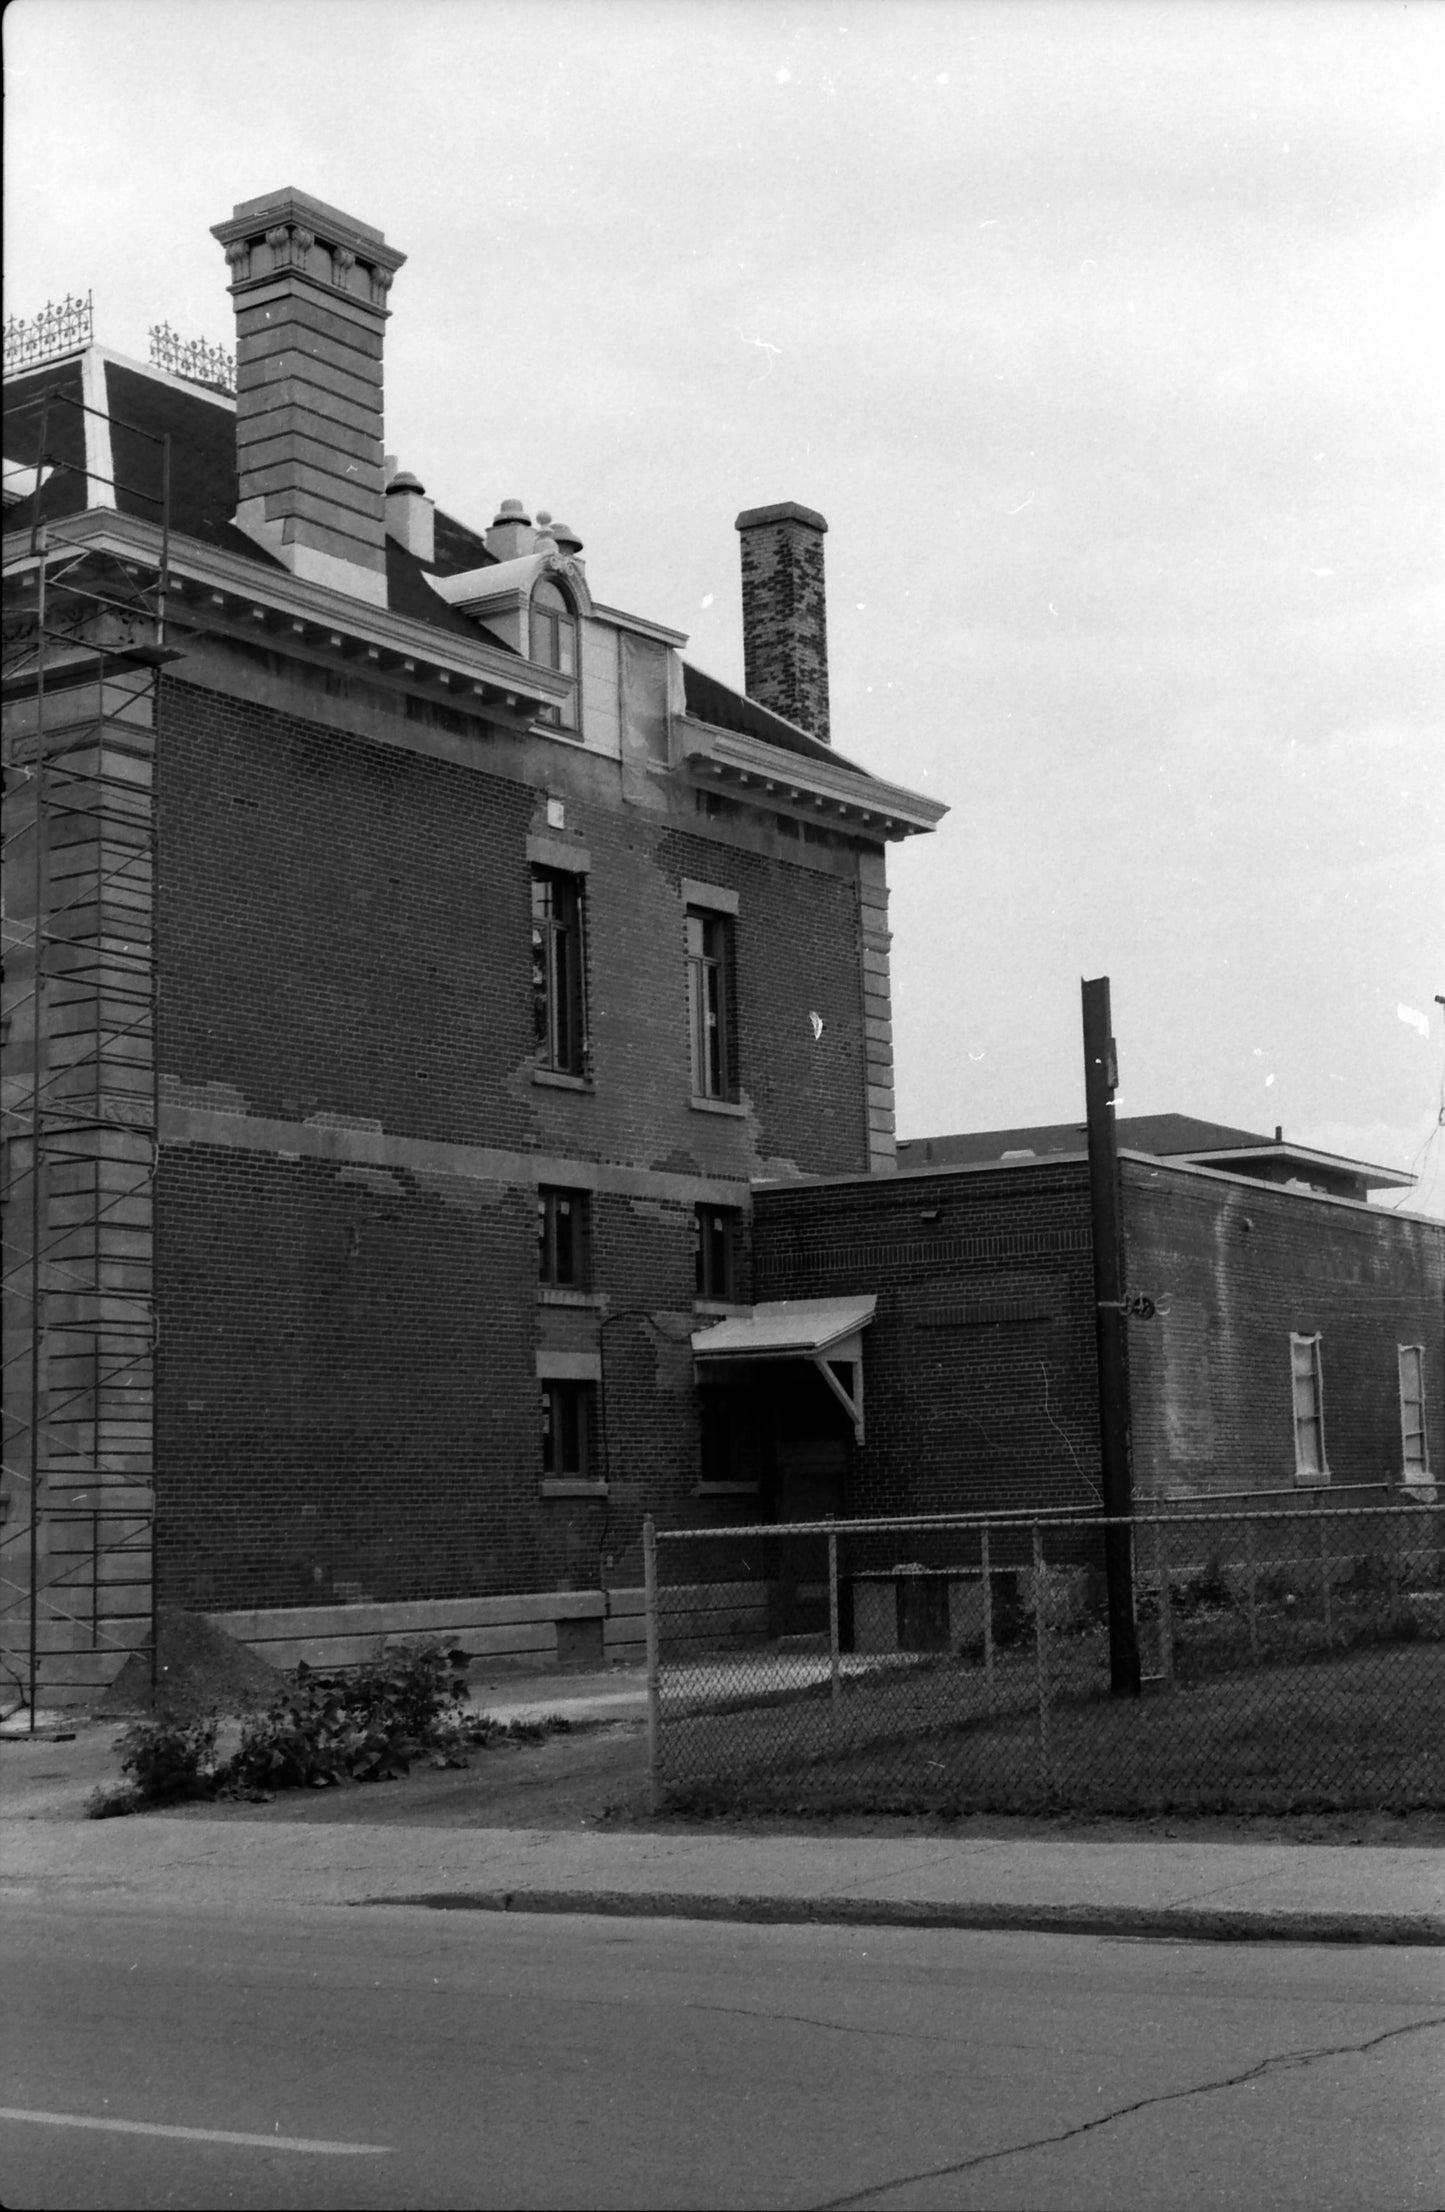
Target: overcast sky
[[1107, 337]]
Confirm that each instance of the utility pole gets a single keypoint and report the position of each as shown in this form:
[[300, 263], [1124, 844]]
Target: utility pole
[[1101, 1076]]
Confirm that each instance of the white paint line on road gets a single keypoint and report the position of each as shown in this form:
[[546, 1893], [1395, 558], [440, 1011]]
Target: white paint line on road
[[197, 2135]]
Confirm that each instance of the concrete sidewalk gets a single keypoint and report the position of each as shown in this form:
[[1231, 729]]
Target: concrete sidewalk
[[1225, 1891]]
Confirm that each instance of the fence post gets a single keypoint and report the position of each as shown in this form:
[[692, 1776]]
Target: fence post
[[654, 1665], [834, 1671], [987, 1621], [1249, 1589], [1326, 1599], [1041, 1656], [1166, 1605]]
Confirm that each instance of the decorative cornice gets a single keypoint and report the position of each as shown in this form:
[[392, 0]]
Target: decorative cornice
[[286, 609], [780, 781]]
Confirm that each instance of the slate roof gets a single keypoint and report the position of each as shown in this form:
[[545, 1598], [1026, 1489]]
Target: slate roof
[[144, 406]]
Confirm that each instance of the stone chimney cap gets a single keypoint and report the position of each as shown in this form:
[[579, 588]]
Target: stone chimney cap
[[289, 205], [513, 510], [404, 481], [786, 510]]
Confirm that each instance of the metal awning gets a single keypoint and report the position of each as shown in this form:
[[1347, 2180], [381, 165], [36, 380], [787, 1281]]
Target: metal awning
[[827, 1332]]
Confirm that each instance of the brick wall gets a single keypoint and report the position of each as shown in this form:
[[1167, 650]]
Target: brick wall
[[347, 1396], [1243, 1266], [980, 1364]]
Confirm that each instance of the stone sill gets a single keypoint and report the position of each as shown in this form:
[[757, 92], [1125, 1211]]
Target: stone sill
[[571, 1486], [717, 1106], [554, 1080], [592, 1301]]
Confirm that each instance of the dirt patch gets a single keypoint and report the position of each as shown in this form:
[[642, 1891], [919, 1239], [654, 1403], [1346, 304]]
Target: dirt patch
[[199, 1670]]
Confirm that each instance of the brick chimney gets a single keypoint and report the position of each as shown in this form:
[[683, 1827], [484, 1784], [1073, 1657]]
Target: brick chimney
[[785, 614], [310, 287]]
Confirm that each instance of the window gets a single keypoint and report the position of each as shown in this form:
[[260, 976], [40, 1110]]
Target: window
[[563, 1244], [1415, 1457], [717, 1236], [709, 1003], [554, 644], [1309, 1409], [557, 954], [567, 1426]]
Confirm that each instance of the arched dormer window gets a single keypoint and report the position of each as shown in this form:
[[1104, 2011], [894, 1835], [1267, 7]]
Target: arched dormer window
[[554, 640]]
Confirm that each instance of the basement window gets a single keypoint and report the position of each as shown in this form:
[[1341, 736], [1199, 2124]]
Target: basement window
[[1307, 1377]]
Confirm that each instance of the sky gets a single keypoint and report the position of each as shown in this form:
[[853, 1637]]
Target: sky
[[1108, 338]]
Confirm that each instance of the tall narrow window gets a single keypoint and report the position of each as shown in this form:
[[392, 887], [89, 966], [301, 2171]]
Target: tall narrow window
[[716, 1252], [1309, 1409], [554, 643], [557, 969], [1413, 1449], [709, 1003], [567, 1429], [562, 1240]]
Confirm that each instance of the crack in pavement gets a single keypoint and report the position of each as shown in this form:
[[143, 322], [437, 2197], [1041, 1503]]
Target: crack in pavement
[[844, 2027], [1284, 2063]]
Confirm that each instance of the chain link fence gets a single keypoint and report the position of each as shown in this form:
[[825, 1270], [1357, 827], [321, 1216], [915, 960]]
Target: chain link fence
[[1289, 1659]]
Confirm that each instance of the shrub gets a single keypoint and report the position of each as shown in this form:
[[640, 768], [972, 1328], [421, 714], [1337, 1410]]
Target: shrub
[[169, 1760], [367, 1725]]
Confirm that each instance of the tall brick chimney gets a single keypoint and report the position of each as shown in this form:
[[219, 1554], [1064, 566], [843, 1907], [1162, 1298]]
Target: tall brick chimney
[[310, 287], [785, 613]]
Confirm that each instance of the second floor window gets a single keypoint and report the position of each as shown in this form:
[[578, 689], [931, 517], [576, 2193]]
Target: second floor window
[[717, 1232], [709, 1003], [557, 971], [562, 1241], [554, 643]]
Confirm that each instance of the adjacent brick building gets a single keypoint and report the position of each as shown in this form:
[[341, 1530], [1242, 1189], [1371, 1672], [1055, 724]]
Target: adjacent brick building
[[1295, 1346]]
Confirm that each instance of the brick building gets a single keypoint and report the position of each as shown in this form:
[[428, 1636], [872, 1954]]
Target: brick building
[[1296, 1348], [428, 960]]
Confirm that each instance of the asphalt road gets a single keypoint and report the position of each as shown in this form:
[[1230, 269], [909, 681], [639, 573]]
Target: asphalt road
[[393, 2057]]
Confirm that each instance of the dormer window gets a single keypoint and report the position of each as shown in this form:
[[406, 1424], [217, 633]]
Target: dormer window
[[554, 643]]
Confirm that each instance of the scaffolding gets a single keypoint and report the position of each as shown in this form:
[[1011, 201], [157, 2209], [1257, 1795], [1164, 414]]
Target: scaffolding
[[84, 647]]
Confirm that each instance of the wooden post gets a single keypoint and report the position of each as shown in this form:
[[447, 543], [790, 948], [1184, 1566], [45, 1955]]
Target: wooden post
[[1107, 1216]]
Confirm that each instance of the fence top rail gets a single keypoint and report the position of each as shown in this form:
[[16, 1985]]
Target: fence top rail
[[919, 1524]]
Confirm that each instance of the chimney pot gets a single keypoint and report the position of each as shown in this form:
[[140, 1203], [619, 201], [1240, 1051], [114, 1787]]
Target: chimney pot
[[785, 615], [511, 534], [411, 516]]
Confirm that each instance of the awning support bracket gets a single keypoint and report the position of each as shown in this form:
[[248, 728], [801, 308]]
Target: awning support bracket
[[853, 1407]]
